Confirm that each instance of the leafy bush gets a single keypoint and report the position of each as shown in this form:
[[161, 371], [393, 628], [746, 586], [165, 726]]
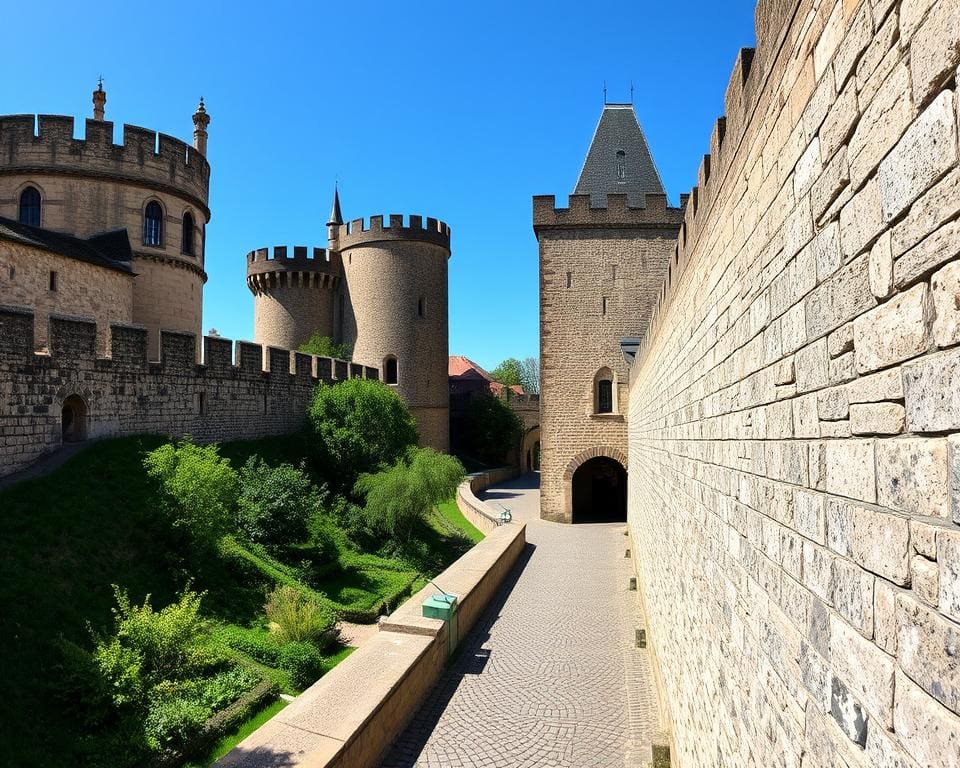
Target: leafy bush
[[303, 662], [294, 617], [358, 426], [399, 498], [509, 372], [275, 502], [318, 344], [256, 643], [200, 488], [492, 429]]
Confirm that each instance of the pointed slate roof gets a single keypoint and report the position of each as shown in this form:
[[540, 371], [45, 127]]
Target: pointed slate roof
[[335, 216], [607, 171]]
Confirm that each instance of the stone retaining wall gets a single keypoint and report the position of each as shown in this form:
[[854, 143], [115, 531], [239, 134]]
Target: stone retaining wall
[[350, 717], [483, 516], [795, 407]]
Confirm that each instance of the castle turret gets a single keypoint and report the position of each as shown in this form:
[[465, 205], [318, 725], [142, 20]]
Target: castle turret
[[152, 185], [99, 100], [334, 222], [396, 311], [293, 290]]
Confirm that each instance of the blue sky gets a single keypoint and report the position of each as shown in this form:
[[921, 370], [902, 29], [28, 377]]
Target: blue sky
[[461, 111]]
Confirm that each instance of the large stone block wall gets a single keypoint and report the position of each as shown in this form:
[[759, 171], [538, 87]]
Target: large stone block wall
[[124, 394], [81, 288], [794, 420]]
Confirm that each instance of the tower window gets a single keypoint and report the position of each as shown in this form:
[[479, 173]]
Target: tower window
[[569, 279], [53, 280], [153, 224], [621, 165], [390, 370], [604, 305], [604, 396], [186, 242], [29, 207], [420, 307], [613, 271]]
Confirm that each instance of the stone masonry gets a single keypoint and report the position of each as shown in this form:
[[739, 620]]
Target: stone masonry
[[124, 394], [794, 411]]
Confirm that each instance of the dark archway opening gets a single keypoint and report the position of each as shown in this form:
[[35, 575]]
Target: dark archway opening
[[73, 419], [600, 491]]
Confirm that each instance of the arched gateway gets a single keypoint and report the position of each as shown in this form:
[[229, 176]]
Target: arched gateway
[[595, 486]]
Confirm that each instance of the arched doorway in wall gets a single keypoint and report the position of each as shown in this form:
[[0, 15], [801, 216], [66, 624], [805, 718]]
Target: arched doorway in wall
[[599, 491], [73, 419], [530, 450]]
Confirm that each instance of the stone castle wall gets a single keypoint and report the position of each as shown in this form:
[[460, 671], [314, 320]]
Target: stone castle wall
[[125, 394], [601, 270], [81, 288], [795, 408]]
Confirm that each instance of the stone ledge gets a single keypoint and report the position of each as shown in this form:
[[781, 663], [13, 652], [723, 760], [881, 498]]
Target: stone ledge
[[351, 716], [476, 511]]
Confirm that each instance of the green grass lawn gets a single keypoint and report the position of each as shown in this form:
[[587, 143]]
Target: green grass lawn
[[68, 536], [452, 514]]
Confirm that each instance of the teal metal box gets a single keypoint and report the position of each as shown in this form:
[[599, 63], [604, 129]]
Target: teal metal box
[[441, 607]]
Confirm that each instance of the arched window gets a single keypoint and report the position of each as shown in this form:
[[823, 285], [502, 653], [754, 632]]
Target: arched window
[[29, 207], [621, 165], [153, 224], [390, 370], [186, 241], [603, 391]]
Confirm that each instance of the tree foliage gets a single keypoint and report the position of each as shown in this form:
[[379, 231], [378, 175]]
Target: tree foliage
[[509, 372], [492, 429], [358, 426], [530, 375], [400, 497], [318, 344], [276, 503], [199, 488]]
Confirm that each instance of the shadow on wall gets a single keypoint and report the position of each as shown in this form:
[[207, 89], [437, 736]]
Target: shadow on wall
[[470, 659], [261, 757]]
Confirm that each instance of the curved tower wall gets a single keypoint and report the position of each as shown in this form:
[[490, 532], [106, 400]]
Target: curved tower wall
[[388, 271], [92, 185], [293, 293]]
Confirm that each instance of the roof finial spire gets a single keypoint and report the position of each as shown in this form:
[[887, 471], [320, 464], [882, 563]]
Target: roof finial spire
[[200, 122], [631, 92], [335, 216], [604, 93], [99, 100]]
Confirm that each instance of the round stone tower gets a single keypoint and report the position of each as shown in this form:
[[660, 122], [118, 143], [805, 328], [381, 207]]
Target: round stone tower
[[395, 311], [152, 185], [293, 292]]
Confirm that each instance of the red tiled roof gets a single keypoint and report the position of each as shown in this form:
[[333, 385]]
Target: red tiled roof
[[460, 367]]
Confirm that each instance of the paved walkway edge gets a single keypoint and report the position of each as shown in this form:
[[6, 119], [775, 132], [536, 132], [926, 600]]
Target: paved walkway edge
[[482, 515], [351, 716]]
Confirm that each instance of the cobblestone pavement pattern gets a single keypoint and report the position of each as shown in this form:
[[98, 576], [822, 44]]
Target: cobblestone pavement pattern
[[550, 675]]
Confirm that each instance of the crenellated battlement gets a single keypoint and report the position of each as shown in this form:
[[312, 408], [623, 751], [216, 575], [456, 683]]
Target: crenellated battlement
[[293, 266], [579, 213], [46, 144], [360, 231], [235, 390]]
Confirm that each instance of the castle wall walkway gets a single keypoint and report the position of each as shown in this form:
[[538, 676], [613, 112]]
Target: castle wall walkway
[[550, 675]]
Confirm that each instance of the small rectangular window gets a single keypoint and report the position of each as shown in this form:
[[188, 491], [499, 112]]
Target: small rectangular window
[[605, 396], [53, 280], [604, 305], [202, 403], [569, 279], [613, 271]]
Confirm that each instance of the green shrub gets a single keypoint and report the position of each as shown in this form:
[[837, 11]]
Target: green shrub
[[318, 344], [303, 662], [294, 617], [492, 429], [357, 426], [256, 643], [200, 489], [275, 502], [399, 498]]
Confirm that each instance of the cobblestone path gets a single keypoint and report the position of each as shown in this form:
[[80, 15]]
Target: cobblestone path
[[550, 675]]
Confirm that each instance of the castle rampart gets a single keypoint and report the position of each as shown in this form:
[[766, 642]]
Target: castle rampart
[[794, 423], [359, 231], [222, 398]]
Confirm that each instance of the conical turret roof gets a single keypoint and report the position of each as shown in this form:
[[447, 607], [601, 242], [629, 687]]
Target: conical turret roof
[[619, 160], [335, 216]]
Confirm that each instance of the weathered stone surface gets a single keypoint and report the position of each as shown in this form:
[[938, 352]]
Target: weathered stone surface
[[825, 248], [923, 539], [846, 710], [894, 331], [843, 369], [948, 562], [885, 616], [877, 418], [806, 420], [858, 36], [929, 651], [840, 120], [865, 669], [953, 469], [929, 731], [882, 751], [941, 246], [840, 341], [853, 595], [861, 219], [826, 190], [809, 515], [815, 677], [925, 580], [881, 267], [876, 540], [935, 49], [928, 149], [811, 367], [886, 385], [818, 570], [932, 396], [937, 206], [833, 404], [838, 299], [912, 475], [850, 470], [945, 292]]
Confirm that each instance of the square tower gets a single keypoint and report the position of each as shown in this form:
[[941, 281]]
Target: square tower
[[603, 260]]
